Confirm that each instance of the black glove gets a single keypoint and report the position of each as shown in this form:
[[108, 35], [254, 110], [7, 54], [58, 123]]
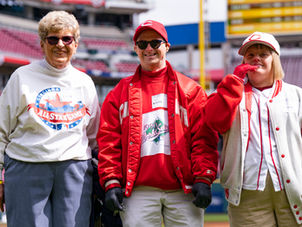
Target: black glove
[[114, 199], [203, 195]]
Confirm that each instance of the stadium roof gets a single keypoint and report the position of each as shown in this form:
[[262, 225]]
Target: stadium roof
[[95, 3], [116, 6]]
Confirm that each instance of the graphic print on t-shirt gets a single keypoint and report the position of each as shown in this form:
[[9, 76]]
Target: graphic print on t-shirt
[[155, 133], [58, 108]]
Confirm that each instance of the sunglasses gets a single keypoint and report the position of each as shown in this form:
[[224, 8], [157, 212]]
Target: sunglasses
[[53, 40], [155, 43]]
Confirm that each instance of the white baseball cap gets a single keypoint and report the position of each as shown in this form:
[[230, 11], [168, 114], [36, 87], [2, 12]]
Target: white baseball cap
[[261, 38]]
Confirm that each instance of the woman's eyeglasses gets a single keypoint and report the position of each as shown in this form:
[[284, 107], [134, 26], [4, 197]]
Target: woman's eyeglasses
[[155, 43], [53, 40]]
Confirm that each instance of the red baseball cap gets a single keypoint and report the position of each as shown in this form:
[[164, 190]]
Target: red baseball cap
[[153, 25]]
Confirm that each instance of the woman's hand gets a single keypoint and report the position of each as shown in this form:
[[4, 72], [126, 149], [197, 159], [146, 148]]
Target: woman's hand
[[241, 70]]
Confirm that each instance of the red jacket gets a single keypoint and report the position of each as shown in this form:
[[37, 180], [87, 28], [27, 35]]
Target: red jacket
[[193, 145]]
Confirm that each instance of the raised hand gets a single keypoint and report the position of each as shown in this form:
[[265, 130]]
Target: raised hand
[[241, 70]]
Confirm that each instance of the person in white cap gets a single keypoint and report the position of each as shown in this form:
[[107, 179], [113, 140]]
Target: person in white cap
[[260, 118], [154, 148]]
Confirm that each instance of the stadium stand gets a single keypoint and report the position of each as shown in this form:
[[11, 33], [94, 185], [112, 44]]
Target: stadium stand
[[106, 48], [126, 66], [109, 44], [20, 42], [103, 35], [91, 65], [105, 51]]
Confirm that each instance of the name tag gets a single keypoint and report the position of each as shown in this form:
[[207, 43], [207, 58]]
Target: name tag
[[159, 100]]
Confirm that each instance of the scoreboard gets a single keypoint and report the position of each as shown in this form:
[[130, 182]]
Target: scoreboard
[[272, 16]]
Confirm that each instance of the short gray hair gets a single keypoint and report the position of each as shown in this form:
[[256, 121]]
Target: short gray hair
[[56, 21]]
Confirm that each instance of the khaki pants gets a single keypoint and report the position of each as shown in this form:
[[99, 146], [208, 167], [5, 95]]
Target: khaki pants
[[262, 209], [148, 206]]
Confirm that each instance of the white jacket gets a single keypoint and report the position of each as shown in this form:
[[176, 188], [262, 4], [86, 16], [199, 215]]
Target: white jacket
[[286, 117]]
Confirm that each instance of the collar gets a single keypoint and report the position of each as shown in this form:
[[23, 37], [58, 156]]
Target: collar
[[45, 64], [170, 72]]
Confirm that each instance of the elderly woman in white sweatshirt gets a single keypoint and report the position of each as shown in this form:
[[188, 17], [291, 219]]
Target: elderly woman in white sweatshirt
[[260, 118], [49, 115]]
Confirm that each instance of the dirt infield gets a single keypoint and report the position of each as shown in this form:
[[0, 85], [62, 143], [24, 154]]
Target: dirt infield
[[208, 224], [216, 224]]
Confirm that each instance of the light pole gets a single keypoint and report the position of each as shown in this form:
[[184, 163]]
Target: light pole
[[201, 43]]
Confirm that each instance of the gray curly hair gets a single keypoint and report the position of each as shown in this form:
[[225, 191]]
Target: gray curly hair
[[56, 21]]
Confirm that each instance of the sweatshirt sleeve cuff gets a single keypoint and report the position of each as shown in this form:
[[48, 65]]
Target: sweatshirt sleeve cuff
[[205, 180], [112, 184]]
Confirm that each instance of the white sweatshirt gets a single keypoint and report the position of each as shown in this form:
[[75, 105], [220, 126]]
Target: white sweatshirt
[[48, 115]]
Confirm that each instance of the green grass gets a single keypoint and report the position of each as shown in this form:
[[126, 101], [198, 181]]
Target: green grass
[[213, 218], [216, 218]]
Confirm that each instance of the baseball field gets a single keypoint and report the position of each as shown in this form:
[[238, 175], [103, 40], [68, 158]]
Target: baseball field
[[216, 220], [211, 220], [206, 224]]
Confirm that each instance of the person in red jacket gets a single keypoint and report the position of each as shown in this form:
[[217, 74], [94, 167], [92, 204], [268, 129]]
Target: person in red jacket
[[154, 148]]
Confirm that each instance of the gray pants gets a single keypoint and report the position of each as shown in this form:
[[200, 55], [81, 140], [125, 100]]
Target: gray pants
[[55, 194], [148, 206]]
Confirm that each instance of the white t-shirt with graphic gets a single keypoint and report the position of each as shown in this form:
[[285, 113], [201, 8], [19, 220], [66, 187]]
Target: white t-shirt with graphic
[[48, 114]]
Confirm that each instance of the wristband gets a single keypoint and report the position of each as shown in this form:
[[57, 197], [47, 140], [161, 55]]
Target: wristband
[[1, 182]]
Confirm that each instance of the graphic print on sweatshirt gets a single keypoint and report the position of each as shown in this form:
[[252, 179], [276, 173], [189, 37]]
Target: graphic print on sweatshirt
[[155, 133], [59, 108]]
